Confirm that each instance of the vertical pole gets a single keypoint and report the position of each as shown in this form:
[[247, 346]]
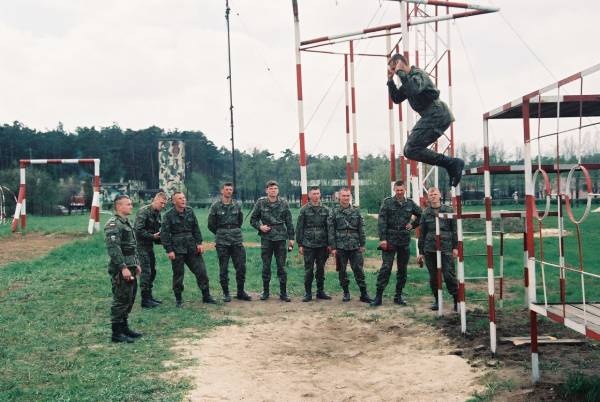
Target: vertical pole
[[354, 128], [21, 198], [438, 259], [233, 173], [303, 173], [348, 141], [501, 265], [94, 222], [413, 190], [535, 363], [436, 170], [450, 97], [391, 127], [461, 260], [403, 174], [488, 237]]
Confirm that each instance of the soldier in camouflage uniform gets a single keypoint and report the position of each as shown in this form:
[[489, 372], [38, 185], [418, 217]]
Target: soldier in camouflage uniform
[[423, 97], [272, 218], [147, 232], [397, 217], [225, 221], [123, 268], [449, 246], [180, 236], [347, 242], [311, 236]]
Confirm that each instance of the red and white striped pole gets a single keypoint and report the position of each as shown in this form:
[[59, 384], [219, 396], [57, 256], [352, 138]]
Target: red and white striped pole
[[488, 237], [354, 128], [450, 97], [438, 258], [461, 260], [94, 223], [391, 123], [20, 207], [303, 173], [348, 140], [403, 173]]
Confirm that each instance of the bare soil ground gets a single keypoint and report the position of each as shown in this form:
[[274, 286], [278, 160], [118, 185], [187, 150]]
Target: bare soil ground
[[325, 351], [17, 247]]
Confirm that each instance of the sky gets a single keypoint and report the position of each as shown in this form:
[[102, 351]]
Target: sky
[[139, 63]]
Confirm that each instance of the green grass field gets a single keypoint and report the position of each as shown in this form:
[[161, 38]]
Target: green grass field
[[54, 343]]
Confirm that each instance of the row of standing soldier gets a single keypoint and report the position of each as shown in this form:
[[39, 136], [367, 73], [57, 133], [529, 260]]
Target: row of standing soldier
[[320, 232]]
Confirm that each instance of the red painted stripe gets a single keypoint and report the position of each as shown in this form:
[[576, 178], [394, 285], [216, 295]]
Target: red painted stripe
[[562, 290], [486, 156], [96, 182], [23, 163], [490, 256], [461, 291], [592, 334], [492, 308], [382, 28], [530, 95], [530, 245], [506, 106], [486, 115], [526, 276], [392, 162], [299, 81], [555, 317], [355, 157], [302, 151], [351, 51], [449, 68], [571, 78], [353, 102], [501, 288], [86, 161], [533, 331], [526, 132], [488, 208], [438, 242], [347, 119], [315, 40], [54, 161], [349, 174], [439, 278]]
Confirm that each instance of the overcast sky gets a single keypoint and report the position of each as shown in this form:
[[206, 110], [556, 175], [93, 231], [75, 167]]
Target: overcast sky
[[139, 63]]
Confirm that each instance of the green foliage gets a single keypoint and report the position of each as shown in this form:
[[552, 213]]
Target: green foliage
[[197, 186], [580, 387]]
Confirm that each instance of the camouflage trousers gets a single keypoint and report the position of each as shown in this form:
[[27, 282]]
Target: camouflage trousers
[[268, 248], [314, 256], [428, 129], [448, 272], [237, 253], [356, 260], [148, 264], [402, 253], [195, 263], [123, 297]]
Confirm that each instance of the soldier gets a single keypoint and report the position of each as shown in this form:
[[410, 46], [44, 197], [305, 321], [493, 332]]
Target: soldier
[[147, 233], [225, 221], [449, 245], [123, 268], [423, 97], [397, 217], [311, 236], [272, 218], [181, 238], [347, 242]]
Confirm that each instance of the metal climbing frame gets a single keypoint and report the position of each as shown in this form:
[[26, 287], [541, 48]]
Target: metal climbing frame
[[413, 13], [20, 210], [551, 102]]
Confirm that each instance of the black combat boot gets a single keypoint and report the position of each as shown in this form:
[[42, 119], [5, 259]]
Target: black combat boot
[[226, 295], [399, 300], [117, 334], [378, 300], [321, 293], [455, 303], [153, 299], [147, 301], [207, 298], [129, 332], [454, 167], [364, 296], [307, 293], [346, 297], [241, 294], [283, 296], [265, 293], [178, 300]]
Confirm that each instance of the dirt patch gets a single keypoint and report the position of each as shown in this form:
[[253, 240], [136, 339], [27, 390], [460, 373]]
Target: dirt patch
[[325, 351], [16, 247]]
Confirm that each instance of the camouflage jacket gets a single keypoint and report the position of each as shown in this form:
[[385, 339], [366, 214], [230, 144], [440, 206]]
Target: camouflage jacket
[[120, 244], [225, 221], [394, 214], [275, 214], [147, 222], [420, 91], [345, 228], [180, 231], [448, 236], [311, 228]]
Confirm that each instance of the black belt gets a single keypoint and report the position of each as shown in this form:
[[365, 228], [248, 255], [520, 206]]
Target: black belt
[[348, 230], [229, 227], [128, 255]]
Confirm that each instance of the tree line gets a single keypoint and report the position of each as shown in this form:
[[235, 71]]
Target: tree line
[[133, 155]]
